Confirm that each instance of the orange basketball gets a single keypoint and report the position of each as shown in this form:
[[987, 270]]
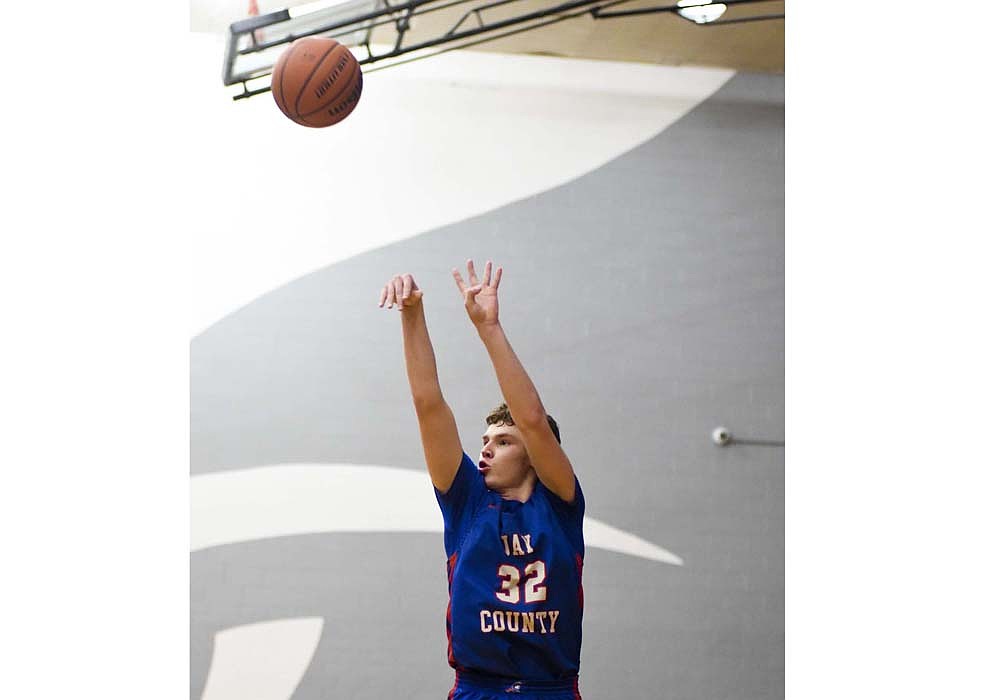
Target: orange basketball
[[316, 81]]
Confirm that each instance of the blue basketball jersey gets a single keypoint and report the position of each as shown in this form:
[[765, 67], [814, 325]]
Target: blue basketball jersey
[[514, 580]]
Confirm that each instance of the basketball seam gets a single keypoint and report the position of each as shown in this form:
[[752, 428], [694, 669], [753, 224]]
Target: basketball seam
[[279, 90], [280, 70], [276, 83], [357, 73], [281, 81], [305, 83]]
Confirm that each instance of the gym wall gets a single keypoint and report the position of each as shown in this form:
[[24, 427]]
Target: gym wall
[[638, 214]]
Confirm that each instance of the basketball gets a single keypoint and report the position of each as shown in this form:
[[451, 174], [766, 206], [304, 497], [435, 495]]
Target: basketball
[[316, 82]]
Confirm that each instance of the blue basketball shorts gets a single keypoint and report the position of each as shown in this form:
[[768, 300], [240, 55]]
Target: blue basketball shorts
[[469, 686]]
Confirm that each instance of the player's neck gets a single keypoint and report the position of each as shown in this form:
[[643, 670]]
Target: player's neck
[[522, 492]]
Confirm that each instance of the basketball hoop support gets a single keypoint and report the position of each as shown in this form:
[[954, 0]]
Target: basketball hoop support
[[353, 22]]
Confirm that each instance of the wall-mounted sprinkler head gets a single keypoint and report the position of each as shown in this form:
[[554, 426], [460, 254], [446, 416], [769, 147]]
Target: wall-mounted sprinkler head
[[722, 436]]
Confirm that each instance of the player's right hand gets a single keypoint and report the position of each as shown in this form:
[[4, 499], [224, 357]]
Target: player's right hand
[[401, 290]]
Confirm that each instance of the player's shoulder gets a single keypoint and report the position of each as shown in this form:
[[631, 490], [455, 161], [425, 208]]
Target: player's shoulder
[[557, 502]]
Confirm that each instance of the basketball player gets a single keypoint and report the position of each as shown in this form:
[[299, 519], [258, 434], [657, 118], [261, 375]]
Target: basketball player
[[513, 523]]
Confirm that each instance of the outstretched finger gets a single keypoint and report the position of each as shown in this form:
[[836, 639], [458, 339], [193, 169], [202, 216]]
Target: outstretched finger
[[487, 271], [472, 272], [496, 281], [398, 283], [458, 280]]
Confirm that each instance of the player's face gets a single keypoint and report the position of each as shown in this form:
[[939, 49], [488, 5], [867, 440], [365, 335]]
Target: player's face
[[504, 461]]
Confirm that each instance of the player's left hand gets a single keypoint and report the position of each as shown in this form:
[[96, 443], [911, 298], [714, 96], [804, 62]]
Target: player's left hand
[[401, 290], [480, 296]]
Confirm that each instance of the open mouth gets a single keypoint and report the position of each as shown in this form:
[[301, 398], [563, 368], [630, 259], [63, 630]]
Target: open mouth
[[483, 467]]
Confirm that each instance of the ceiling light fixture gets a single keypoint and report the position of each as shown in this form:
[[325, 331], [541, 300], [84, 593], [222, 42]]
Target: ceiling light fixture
[[700, 11]]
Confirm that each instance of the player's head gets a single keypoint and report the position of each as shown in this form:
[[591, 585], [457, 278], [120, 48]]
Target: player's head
[[501, 416], [504, 451]]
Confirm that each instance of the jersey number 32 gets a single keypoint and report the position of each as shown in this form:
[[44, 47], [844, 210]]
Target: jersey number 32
[[510, 578]]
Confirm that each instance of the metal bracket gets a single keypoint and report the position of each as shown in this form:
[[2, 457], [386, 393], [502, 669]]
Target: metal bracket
[[723, 437], [597, 13], [399, 17]]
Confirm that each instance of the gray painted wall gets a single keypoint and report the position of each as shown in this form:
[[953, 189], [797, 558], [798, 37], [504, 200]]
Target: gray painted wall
[[646, 301]]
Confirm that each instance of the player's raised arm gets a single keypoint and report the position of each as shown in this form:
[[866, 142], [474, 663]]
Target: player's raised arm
[[438, 432], [547, 457]]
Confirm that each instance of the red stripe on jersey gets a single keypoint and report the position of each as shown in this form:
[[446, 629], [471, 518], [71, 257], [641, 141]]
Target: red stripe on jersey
[[451, 653], [579, 577]]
